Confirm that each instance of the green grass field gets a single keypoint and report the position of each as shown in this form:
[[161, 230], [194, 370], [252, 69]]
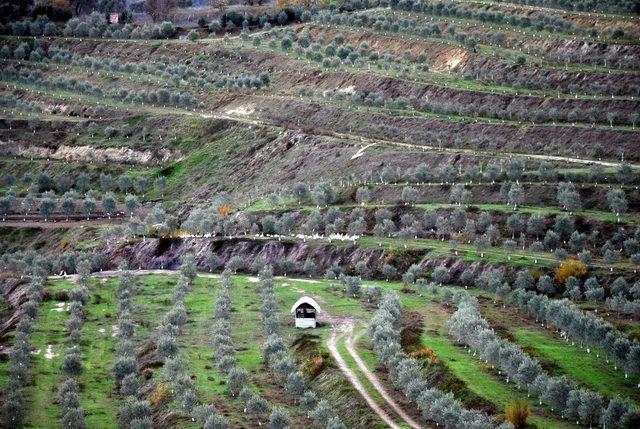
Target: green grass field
[[153, 298], [559, 357]]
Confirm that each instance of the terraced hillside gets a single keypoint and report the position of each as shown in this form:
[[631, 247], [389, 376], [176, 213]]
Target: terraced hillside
[[454, 182]]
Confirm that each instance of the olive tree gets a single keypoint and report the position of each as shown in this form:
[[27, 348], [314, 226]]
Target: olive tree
[[409, 195], [47, 206], [109, 204], [617, 201], [363, 196]]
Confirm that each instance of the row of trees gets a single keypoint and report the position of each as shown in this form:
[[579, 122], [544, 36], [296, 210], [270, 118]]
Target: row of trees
[[30, 262], [512, 173], [94, 25], [237, 378], [173, 72], [540, 21], [176, 369], [482, 109], [277, 357], [515, 170], [624, 306], [521, 77], [133, 412], [617, 6], [83, 181], [459, 225], [72, 413], [14, 405], [19, 109], [160, 97], [223, 350], [624, 297], [406, 374], [466, 35], [10, 103], [562, 315], [456, 226], [584, 328], [68, 204], [468, 327]]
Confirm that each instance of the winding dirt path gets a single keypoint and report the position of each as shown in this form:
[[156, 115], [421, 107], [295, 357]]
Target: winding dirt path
[[338, 330], [113, 273], [341, 327], [371, 141], [349, 342]]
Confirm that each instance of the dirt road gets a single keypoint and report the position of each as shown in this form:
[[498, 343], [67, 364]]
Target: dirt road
[[337, 331], [341, 327], [349, 342], [113, 273]]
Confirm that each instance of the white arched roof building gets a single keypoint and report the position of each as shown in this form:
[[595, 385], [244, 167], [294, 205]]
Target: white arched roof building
[[305, 310]]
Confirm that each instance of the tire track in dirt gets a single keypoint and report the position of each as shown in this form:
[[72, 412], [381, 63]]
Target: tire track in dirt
[[338, 330], [349, 342], [341, 327]]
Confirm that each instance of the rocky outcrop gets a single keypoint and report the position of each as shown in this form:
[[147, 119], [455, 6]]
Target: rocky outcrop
[[121, 155], [166, 253], [15, 295]]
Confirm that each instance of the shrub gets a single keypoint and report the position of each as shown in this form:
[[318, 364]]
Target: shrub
[[295, 385], [21, 52], [130, 385], [123, 366], [188, 266], [570, 268], [279, 419], [167, 347], [133, 409], [74, 418], [141, 423], [440, 275], [192, 35], [286, 43], [109, 204], [72, 365], [237, 379], [517, 413], [160, 395], [257, 405], [167, 30], [216, 421], [110, 132]]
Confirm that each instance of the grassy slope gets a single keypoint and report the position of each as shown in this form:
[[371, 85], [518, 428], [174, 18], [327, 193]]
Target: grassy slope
[[100, 401], [560, 358], [477, 378], [246, 335], [332, 302], [49, 330], [97, 351], [153, 299], [471, 371]]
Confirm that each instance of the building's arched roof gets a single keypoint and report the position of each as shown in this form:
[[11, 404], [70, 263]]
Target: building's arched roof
[[305, 300]]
